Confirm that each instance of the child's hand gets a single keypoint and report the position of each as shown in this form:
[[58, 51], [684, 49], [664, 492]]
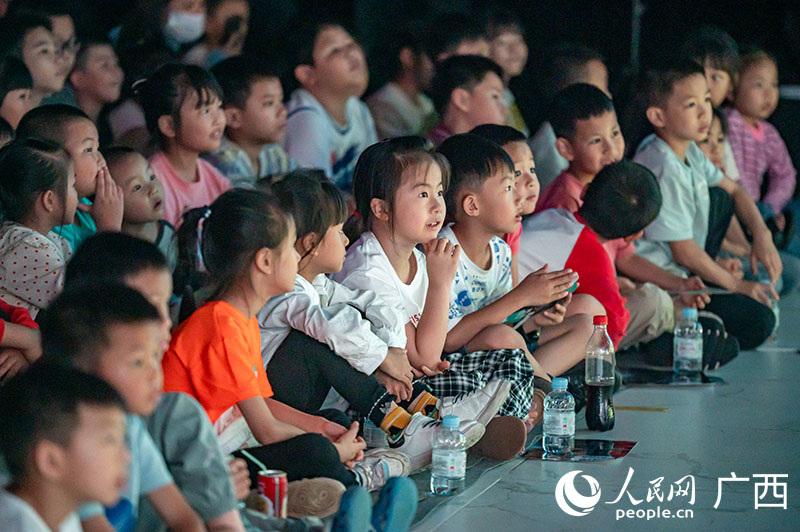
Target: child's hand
[[425, 371], [693, 283], [759, 291], [541, 287], [552, 316], [626, 286], [732, 265], [442, 258], [240, 478], [396, 365], [764, 251], [12, 361], [399, 389], [350, 446], [106, 211]]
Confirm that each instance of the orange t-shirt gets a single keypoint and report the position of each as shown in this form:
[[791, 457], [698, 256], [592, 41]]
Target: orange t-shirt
[[215, 356]]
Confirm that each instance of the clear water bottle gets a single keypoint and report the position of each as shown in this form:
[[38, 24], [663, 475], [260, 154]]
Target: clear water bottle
[[558, 431], [600, 364], [763, 278], [687, 346], [449, 463]]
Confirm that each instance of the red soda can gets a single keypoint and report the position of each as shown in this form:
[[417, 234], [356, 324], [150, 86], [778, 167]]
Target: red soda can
[[273, 486]]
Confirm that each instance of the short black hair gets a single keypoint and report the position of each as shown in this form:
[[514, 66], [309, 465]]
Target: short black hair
[[622, 199], [751, 55], [110, 257], [473, 160], [500, 21], [460, 71], [43, 403], [15, 26], [14, 75], [448, 31], [86, 46], [723, 120], [579, 101], [659, 82], [498, 134], [75, 326], [50, 122], [563, 64], [236, 76], [709, 43]]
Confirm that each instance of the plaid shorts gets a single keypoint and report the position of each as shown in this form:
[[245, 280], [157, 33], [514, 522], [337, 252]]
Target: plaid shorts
[[471, 371]]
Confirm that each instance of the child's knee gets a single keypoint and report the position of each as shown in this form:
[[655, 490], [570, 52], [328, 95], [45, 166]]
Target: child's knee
[[585, 304], [496, 337]]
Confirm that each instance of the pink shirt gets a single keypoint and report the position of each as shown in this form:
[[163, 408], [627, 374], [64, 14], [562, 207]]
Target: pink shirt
[[180, 196], [512, 239]]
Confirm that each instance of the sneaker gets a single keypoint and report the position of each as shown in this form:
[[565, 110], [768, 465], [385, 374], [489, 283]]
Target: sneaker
[[318, 497], [416, 441], [396, 506], [504, 439], [481, 405], [379, 465]]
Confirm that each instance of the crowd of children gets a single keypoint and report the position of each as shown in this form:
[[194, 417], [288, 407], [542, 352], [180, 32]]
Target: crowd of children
[[201, 279]]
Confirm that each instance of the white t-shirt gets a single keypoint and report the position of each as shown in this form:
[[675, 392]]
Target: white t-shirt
[[396, 114], [16, 515], [366, 267], [473, 287]]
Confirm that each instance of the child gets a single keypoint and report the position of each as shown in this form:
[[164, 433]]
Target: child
[[247, 248], [565, 65], [303, 331], [182, 105], [399, 188], [693, 220], [15, 90], [467, 92], [143, 199], [225, 33], [113, 332], [28, 36], [255, 122], [70, 127], [37, 193], [508, 49], [63, 439], [96, 79], [328, 126]]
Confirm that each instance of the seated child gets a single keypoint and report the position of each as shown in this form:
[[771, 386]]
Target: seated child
[[20, 343], [70, 127], [565, 64], [467, 91], [455, 34], [508, 49], [687, 234], [97, 81], [15, 90], [255, 122], [143, 198], [182, 105], [63, 439], [37, 193], [328, 126], [325, 335], [113, 332]]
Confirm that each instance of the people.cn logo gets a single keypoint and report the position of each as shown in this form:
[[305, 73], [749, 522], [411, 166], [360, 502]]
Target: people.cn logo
[[572, 502]]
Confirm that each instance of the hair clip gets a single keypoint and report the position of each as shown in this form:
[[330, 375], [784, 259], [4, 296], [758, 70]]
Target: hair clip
[[201, 266]]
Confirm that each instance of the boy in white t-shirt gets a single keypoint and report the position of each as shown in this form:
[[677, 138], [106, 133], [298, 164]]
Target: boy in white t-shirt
[[63, 440]]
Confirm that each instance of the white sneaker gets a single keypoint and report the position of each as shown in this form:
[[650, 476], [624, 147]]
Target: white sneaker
[[379, 465], [416, 441], [481, 405]]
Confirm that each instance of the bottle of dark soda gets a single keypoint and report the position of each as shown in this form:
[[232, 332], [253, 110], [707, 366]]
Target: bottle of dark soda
[[599, 377]]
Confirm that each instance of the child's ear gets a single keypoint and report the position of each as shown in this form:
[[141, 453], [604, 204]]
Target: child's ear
[[564, 148], [469, 202], [166, 125], [49, 459], [461, 99], [304, 74], [49, 200], [307, 243], [380, 209], [264, 261], [655, 115], [76, 78], [635, 236], [233, 117], [406, 58]]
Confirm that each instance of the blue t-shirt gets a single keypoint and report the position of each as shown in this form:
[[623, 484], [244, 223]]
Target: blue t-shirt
[[80, 229]]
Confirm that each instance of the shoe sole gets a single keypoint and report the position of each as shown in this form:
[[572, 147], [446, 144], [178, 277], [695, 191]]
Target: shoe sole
[[423, 462], [493, 406], [396, 507], [504, 439], [393, 455], [314, 497]]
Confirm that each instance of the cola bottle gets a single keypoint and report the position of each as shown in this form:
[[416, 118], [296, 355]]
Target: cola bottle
[[599, 377]]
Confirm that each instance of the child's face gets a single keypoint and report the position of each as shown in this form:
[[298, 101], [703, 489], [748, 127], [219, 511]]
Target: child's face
[[264, 117], [499, 202], [712, 146], [419, 208], [757, 94], [71, 198], [82, 145], [686, 115], [597, 143], [131, 363], [101, 77], [285, 260], [201, 129], [142, 194], [339, 62], [595, 73], [486, 102], [510, 52], [97, 457], [719, 82], [14, 106], [66, 45], [526, 183], [329, 255], [156, 286], [39, 55]]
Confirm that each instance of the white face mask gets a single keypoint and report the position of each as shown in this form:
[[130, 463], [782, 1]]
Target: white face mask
[[185, 27]]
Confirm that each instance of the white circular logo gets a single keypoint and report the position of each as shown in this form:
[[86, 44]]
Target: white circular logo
[[572, 502]]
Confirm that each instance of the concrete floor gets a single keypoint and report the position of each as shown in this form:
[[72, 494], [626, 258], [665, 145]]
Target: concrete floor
[[748, 426]]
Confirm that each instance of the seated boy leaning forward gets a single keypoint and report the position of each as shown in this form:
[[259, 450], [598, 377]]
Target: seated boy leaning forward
[[113, 332], [699, 202], [255, 122], [63, 440]]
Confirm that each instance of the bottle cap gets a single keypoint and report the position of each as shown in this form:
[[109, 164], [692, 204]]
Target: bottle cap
[[600, 320], [559, 383], [450, 422], [690, 313]]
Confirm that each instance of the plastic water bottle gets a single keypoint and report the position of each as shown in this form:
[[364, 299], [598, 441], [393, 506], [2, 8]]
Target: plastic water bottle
[[763, 278], [600, 364], [449, 458], [687, 346], [558, 432]]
